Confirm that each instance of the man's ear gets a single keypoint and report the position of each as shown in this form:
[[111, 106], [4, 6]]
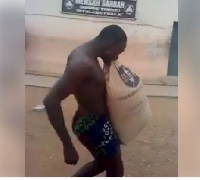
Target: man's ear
[[109, 43]]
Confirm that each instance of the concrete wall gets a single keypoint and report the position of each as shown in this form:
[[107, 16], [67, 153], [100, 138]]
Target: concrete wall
[[52, 35]]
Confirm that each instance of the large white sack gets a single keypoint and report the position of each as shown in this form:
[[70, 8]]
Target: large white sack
[[128, 105]]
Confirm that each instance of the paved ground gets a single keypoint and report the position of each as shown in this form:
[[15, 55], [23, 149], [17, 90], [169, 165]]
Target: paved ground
[[153, 153]]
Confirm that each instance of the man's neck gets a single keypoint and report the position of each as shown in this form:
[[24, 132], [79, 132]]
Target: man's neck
[[95, 48]]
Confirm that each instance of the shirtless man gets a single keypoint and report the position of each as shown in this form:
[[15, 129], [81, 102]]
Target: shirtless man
[[84, 78]]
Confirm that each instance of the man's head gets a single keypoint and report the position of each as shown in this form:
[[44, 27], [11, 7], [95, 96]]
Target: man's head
[[114, 41]]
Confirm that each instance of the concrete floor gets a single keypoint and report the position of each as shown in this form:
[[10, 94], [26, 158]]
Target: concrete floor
[[153, 153]]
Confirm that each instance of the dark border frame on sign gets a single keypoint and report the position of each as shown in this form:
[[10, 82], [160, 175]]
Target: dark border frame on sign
[[107, 17], [99, 16]]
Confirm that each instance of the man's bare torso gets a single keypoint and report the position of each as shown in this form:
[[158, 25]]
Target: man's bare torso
[[87, 79]]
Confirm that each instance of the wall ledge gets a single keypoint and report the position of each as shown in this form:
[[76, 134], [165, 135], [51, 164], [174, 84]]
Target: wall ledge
[[162, 81], [150, 90]]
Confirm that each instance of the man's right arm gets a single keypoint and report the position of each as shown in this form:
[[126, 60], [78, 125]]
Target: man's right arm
[[61, 90], [52, 102]]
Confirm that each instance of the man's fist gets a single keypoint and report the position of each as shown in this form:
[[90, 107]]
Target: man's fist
[[70, 155]]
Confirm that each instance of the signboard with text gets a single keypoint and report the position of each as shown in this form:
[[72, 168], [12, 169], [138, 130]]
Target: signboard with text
[[109, 8]]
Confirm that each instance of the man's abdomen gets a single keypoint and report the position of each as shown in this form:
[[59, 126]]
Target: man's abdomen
[[88, 104]]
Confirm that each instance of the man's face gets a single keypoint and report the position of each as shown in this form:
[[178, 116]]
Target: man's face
[[112, 52]]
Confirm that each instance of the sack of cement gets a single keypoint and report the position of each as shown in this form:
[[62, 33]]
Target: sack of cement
[[128, 105]]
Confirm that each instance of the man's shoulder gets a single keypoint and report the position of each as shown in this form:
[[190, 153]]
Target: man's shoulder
[[79, 67], [79, 60]]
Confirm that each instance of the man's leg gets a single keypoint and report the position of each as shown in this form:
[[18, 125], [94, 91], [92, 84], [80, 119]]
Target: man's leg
[[114, 166], [110, 160], [90, 170]]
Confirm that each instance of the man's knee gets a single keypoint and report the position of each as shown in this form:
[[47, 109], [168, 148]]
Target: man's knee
[[120, 171], [100, 166], [114, 166], [116, 170]]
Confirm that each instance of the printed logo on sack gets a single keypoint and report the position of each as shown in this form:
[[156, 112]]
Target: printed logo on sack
[[129, 78]]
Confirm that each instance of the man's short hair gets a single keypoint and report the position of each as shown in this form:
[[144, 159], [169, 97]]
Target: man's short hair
[[113, 33]]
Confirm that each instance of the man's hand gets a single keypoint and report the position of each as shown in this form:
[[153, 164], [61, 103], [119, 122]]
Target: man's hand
[[70, 155]]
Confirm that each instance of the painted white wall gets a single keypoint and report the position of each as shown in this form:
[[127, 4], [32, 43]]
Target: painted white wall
[[154, 12], [52, 38]]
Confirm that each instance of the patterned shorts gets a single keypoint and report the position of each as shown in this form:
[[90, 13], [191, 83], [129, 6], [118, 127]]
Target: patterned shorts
[[96, 134]]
